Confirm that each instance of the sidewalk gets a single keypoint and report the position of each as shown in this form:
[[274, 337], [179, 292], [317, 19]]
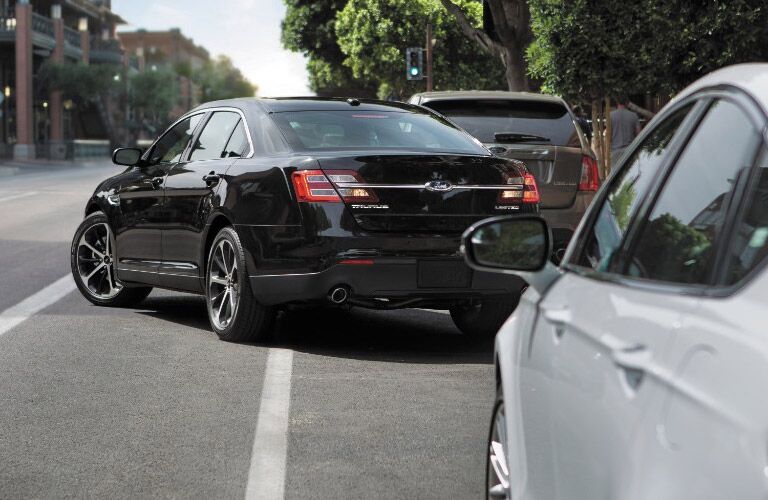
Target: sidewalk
[[16, 167]]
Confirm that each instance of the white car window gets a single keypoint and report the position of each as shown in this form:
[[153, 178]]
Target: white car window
[[749, 243], [679, 240], [627, 190]]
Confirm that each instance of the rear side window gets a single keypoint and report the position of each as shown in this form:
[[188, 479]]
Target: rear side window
[[238, 142], [376, 130], [213, 139], [749, 244], [511, 121], [627, 190], [678, 241]]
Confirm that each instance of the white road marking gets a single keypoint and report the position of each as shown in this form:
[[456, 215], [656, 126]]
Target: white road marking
[[266, 477], [33, 304], [17, 196]]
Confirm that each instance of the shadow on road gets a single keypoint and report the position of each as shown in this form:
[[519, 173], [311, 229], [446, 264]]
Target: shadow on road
[[407, 336]]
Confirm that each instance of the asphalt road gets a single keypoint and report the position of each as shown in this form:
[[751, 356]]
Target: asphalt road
[[147, 402]]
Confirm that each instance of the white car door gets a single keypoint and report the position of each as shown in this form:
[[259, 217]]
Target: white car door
[[593, 344], [712, 430]]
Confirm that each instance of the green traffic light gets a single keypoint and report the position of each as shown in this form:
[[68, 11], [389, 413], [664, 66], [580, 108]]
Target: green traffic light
[[414, 71]]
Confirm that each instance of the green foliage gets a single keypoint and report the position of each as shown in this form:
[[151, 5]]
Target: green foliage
[[588, 49], [309, 27], [79, 82], [220, 79], [373, 34], [152, 95]]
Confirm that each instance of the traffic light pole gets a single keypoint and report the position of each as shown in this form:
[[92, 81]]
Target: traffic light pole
[[429, 58]]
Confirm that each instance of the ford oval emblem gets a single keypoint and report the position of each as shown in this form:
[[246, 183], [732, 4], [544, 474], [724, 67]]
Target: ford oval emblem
[[438, 186]]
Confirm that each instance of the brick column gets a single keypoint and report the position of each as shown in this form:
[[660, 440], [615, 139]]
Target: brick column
[[25, 141], [57, 148]]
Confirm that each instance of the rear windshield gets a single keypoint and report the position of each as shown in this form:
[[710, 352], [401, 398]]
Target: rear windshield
[[379, 130], [511, 121]]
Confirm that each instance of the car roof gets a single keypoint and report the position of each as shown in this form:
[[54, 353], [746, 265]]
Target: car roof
[[486, 94], [282, 104], [751, 78]]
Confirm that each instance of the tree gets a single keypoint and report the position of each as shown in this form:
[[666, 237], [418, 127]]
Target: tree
[[220, 79], [373, 34], [86, 85], [152, 95], [509, 40], [309, 27], [592, 50]]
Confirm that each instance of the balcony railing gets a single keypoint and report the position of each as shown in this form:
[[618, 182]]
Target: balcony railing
[[72, 37], [107, 51], [42, 24]]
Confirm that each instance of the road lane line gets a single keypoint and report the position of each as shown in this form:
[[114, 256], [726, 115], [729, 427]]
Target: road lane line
[[33, 304], [266, 477], [17, 196]]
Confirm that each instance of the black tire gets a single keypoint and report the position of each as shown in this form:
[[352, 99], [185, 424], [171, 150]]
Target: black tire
[[125, 296], [491, 477], [483, 319], [251, 321]]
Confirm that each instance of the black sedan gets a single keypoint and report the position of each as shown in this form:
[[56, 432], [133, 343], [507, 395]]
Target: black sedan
[[263, 204]]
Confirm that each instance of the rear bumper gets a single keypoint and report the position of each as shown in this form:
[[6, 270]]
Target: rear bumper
[[564, 221], [386, 284]]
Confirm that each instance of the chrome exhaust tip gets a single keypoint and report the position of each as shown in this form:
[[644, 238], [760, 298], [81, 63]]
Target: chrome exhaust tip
[[338, 295]]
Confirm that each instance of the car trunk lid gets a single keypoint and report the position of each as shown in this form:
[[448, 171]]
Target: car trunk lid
[[424, 192]]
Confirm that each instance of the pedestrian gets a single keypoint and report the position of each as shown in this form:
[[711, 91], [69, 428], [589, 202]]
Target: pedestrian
[[583, 122], [625, 125]]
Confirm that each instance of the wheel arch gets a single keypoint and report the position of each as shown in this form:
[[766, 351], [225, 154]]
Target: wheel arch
[[216, 223]]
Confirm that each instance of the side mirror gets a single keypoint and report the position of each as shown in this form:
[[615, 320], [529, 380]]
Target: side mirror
[[507, 244], [128, 157]]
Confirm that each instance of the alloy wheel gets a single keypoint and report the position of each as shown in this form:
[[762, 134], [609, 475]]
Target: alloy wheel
[[498, 471], [223, 285], [96, 261]]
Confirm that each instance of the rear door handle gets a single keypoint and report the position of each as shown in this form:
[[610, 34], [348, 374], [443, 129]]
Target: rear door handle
[[634, 361]]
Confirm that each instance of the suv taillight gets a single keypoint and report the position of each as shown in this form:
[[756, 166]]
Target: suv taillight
[[529, 194], [316, 186], [590, 179]]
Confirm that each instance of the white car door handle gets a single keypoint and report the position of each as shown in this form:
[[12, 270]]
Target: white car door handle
[[558, 316], [635, 357]]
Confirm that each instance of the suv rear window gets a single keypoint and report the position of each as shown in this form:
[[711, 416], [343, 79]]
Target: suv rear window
[[503, 121], [378, 130]]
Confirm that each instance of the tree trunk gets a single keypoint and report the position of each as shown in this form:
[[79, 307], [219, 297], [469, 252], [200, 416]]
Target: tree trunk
[[512, 26], [608, 137], [515, 70]]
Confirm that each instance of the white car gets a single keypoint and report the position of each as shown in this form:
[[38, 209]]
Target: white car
[[638, 368]]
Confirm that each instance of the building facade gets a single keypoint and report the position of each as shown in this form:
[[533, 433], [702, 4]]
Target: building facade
[[35, 123], [154, 49]]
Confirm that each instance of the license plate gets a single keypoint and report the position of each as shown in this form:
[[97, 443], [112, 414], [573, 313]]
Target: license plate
[[443, 274]]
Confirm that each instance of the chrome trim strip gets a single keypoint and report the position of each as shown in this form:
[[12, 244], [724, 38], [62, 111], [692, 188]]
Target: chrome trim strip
[[123, 270], [511, 187]]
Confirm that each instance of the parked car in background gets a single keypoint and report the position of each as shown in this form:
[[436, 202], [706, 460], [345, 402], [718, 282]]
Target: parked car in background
[[263, 203], [637, 368], [539, 130]]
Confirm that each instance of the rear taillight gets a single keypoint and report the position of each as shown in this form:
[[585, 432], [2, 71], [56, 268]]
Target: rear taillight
[[344, 181], [590, 179], [316, 186], [313, 186], [528, 194], [530, 190]]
